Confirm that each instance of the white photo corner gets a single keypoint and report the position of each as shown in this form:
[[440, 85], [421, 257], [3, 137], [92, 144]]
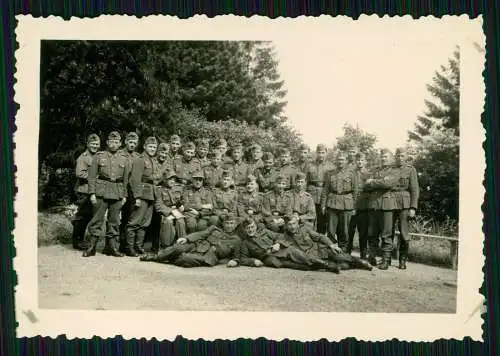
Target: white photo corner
[[230, 117]]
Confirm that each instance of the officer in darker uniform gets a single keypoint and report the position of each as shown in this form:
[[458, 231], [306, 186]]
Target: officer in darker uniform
[[108, 178], [142, 182], [406, 195], [84, 212]]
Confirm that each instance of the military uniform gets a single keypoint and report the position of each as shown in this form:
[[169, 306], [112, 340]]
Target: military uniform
[[276, 205], [303, 206], [302, 166], [212, 176], [203, 248], [142, 183], [225, 201], [266, 178], [239, 171], [382, 204], [194, 199], [250, 205], [166, 201], [338, 198], [406, 195], [184, 169], [253, 166], [288, 171], [108, 178], [315, 177], [84, 212], [360, 219]]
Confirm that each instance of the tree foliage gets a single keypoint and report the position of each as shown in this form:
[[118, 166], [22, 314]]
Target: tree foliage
[[355, 137]]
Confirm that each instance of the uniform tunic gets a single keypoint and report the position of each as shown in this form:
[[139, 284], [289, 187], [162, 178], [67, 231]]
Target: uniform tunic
[[303, 205], [225, 201], [185, 169], [240, 172], [253, 166], [250, 202], [274, 206], [266, 178], [194, 199], [288, 171], [166, 200], [212, 176]]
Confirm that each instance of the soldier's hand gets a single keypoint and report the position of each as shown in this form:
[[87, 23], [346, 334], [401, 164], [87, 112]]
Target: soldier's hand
[[93, 199], [232, 263], [124, 200], [138, 202], [323, 210], [412, 213], [257, 263], [281, 221], [181, 208], [276, 247], [250, 212], [170, 217], [181, 240], [335, 249]]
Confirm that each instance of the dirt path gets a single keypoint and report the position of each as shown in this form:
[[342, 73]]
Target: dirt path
[[69, 281]]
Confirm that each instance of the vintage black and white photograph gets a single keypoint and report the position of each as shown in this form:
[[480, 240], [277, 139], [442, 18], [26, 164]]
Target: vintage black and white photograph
[[261, 173]]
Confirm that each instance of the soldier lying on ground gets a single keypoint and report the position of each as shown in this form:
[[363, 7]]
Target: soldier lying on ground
[[262, 247], [202, 248], [316, 245]]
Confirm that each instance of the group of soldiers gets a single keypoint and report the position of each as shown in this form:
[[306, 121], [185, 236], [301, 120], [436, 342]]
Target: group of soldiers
[[204, 204]]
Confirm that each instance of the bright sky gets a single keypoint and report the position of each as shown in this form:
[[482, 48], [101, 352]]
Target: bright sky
[[373, 77]]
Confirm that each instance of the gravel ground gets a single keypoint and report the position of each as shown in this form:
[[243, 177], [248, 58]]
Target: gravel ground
[[69, 281]]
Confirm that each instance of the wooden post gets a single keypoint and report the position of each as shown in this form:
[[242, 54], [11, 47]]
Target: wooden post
[[454, 254]]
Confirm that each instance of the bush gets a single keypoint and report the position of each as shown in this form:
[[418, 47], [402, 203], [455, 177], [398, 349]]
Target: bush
[[53, 228]]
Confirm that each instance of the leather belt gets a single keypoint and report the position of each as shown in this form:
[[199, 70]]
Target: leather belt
[[106, 179]]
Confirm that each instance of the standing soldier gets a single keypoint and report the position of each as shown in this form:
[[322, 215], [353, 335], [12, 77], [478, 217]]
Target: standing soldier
[[84, 212], [202, 147], [131, 142], [406, 195], [185, 166], [316, 171], [255, 160], [382, 206], [198, 204], [337, 200], [276, 204], [266, 176], [108, 178], [142, 182], [168, 204], [250, 201], [237, 167], [360, 219], [303, 160], [213, 172], [302, 201], [286, 168], [175, 146], [351, 157]]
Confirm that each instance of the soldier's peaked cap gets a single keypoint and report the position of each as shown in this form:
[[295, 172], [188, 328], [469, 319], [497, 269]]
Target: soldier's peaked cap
[[189, 146], [321, 147], [114, 135], [251, 178], [169, 174], [303, 147], [267, 155], [228, 217], [300, 175], [280, 178], [226, 173], [198, 174], [151, 140], [132, 136], [93, 138], [400, 150], [174, 138], [284, 151], [236, 146], [162, 147], [256, 146]]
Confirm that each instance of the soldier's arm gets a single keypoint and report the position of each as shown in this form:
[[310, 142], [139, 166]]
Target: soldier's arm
[[201, 235], [266, 206], [325, 191], [126, 178], [245, 255], [355, 186], [317, 237], [310, 214], [82, 168], [136, 177], [414, 189], [92, 176], [159, 204]]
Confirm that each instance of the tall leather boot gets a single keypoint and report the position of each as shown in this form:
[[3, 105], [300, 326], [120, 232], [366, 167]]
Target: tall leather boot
[[113, 247], [76, 237], [386, 260], [91, 250], [129, 250], [139, 241]]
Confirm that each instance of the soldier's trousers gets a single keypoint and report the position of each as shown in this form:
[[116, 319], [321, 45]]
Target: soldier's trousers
[[170, 229], [185, 255], [153, 233], [195, 222], [338, 224], [401, 216], [95, 226], [359, 221], [139, 221], [126, 210], [321, 220], [82, 218], [380, 224]]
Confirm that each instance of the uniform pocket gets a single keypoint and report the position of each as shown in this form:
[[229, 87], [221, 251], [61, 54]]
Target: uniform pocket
[[100, 188]]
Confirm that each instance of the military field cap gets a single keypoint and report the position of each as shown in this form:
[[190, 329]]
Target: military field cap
[[284, 151], [162, 147], [228, 217], [300, 175], [202, 143], [226, 173], [198, 174], [169, 174], [214, 154], [255, 146], [114, 135], [251, 178], [188, 146], [342, 154], [385, 151], [151, 140], [400, 150], [236, 146], [360, 155], [93, 138], [280, 179], [303, 147], [175, 138], [321, 147], [267, 155], [132, 136]]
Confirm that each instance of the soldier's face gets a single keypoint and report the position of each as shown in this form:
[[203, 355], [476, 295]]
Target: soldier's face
[[171, 182], [114, 145], [268, 163], [257, 153], [162, 155], [150, 149], [285, 158], [251, 186], [226, 182], [93, 146], [361, 162], [223, 148], [251, 229], [131, 145], [237, 154], [280, 186], [300, 183], [352, 154], [188, 154], [292, 226], [321, 154], [341, 162], [400, 158], [304, 154], [197, 182], [175, 145], [202, 151], [386, 159], [229, 225], [216, 161]]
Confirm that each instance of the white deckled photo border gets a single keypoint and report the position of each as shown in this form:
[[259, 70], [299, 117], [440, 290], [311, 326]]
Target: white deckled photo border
[[302, 326]]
